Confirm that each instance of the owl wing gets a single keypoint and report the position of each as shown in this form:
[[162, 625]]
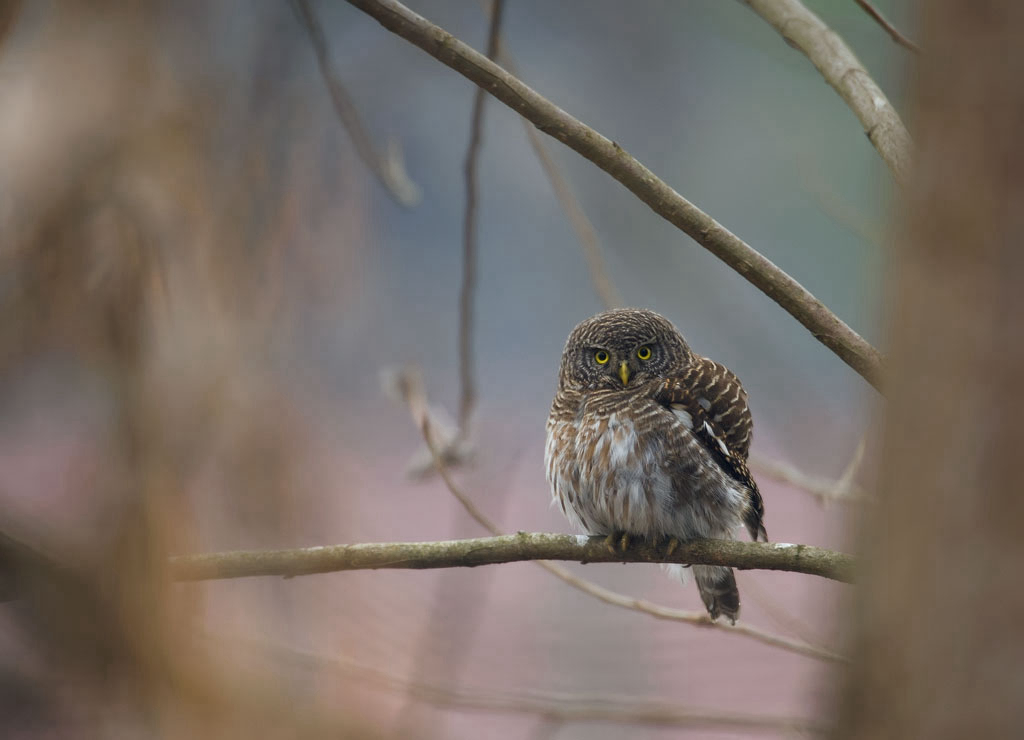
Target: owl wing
[[717, 406]]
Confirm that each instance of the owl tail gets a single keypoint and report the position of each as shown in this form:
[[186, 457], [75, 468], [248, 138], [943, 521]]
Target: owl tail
[[717, 586]]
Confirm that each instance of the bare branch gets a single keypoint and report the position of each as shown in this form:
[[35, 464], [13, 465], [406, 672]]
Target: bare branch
[[467, 392], [662, 199], [805, 31], [389, 167], [507, 549], [890, 29], [550, 705]]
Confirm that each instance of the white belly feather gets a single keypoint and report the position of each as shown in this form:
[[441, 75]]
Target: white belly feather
[[611, 481]]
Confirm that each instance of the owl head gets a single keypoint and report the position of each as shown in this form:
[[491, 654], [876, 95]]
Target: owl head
[[622, 349]]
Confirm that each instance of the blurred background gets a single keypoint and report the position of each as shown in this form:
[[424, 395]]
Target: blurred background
[[202, 282]]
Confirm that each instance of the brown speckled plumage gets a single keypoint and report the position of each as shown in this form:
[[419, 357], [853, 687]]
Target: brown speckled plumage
[[652, 446]]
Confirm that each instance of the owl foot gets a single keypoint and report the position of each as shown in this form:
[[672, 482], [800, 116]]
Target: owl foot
[[671, 546], [617, 542]]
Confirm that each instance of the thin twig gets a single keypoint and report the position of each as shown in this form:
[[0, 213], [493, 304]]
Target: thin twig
[[777, 613], [663, 200], [698, 619], [407, 383], [549, 705], [467, 393], [825, 489], [890, 29], [586, 235], [388, 168], [805, 31]]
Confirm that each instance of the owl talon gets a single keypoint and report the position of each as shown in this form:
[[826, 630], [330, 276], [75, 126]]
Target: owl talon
[[609, 542], [617, 542], [671, 546]]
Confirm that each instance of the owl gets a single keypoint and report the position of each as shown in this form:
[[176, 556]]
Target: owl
[[647, 439]]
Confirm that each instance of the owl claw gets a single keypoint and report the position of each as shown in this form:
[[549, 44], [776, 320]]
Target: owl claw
[[617, 542], [671, 546]]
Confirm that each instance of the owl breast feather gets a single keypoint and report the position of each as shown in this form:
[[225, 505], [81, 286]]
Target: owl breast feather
[[612, 472]]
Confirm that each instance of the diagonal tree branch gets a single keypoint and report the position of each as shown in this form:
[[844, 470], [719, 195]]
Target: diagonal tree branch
[[805, 31], [506, 549], [853, 349]]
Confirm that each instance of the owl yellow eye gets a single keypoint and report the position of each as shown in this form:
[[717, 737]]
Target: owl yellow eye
[[644, 353], [601, 357]]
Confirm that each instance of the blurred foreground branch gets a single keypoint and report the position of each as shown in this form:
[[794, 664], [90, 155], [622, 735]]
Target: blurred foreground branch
[[805, 31], [507, 549], [853, 349]]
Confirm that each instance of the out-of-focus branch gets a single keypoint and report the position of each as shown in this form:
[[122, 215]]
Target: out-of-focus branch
[[585, 233], [389, 168], [467, 386], [507, 549], [890, 29], [828, 491], [805, 31], [613, 159], [550, 705]]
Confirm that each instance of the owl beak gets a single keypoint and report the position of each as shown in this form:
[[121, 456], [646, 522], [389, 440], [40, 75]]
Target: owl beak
[[624, 373]]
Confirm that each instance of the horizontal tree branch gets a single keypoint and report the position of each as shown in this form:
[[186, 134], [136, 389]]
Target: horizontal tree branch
[[837, 63], [831, 331], [506, 549]]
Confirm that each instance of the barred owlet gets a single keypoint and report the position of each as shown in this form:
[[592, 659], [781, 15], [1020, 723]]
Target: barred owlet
[[646, 438]]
